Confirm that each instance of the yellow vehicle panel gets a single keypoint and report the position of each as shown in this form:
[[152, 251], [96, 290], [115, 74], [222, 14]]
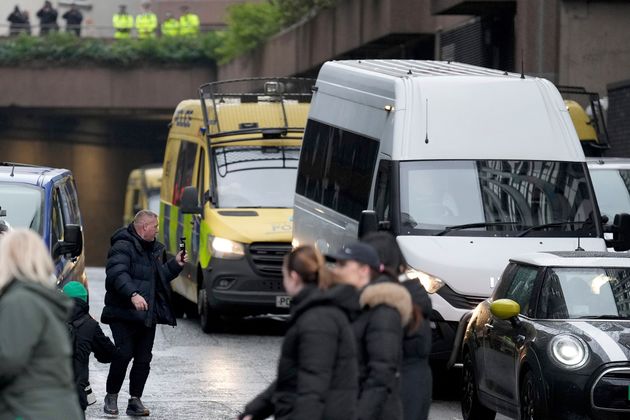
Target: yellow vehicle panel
[[581, 121]]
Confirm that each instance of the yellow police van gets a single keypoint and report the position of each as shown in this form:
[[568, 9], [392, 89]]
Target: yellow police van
[[229, 176], [143, 191]]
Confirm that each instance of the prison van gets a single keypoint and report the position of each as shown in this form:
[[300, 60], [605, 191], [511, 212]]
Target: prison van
[[466, 166], [228, 183]]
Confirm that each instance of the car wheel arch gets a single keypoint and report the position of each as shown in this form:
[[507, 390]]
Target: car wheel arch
[[531, 364]]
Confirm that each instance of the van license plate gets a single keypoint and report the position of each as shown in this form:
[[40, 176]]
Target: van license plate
[[283, 301]]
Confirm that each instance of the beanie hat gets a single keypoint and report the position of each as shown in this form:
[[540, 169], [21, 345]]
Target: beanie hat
[[74, 289]]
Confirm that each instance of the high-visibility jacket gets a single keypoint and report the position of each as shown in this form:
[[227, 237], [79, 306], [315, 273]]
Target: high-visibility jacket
[[170, 27], [189, 24], [123, 24], [146, 24]]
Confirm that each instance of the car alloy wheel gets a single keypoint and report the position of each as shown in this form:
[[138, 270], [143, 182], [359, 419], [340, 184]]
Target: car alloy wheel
[[472, 409]]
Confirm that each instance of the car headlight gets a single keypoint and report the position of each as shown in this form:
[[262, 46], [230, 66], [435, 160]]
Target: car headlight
[[568, 351], [225, 248], [431, 283]]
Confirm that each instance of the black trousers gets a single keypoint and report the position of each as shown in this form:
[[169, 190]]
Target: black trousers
[[133, 341]]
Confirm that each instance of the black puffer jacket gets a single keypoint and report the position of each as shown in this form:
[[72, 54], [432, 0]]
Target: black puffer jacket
[[317, 371], [133, 265], [88, 338], [379, 334], [416, 371]]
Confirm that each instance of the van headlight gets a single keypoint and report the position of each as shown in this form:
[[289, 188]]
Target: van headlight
[[226, 248], [568, 351], [431, 283]]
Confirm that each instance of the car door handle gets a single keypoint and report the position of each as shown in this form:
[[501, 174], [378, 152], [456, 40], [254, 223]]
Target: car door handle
[[488, 326]]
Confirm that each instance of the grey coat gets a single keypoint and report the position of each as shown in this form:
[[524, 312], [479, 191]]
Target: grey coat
[[36, 380]]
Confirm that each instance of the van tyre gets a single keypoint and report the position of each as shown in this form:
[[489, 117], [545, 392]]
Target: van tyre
[[207, 319], [472, 409], [531, 400]]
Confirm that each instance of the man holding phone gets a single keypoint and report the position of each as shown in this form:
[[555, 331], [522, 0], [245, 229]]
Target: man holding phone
[[137, 298]]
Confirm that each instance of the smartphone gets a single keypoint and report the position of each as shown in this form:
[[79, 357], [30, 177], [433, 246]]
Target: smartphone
[[182, 245]]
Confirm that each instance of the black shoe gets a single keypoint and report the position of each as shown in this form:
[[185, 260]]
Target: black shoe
[[136, 408], [111, 404]]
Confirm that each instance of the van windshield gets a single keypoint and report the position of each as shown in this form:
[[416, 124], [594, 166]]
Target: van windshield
[[23, 205], [495, 197], [612, 189], [256, 176]]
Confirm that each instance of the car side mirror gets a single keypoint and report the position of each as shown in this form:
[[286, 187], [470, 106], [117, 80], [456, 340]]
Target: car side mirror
[[368, 222], [190, 201], [621, 232], [506, 309], [72, 243]]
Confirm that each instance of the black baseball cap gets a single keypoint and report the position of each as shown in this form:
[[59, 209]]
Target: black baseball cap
[[359, 252]]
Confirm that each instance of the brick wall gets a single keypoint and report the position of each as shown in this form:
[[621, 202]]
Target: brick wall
[[619, 118]]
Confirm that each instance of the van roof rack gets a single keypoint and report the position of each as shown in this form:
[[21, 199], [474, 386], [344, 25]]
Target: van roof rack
[[273, 90]]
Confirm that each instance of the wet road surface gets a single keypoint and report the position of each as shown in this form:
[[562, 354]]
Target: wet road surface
[[210, 376]]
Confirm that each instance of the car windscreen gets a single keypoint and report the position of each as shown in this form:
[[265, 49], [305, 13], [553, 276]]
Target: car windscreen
[[573, 293], [256, 176], [612, 189], [495, 197], [24, 206]]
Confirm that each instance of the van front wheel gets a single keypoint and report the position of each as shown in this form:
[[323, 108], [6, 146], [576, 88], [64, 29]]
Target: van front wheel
[[207, 318]]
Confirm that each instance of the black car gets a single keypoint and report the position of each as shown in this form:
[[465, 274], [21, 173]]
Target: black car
[[553, 341]]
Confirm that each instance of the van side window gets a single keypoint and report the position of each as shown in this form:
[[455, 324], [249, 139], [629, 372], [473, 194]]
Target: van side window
[[70, 200], [184, 170], [336, 168], [57, 221], [382, 190], [201, 187]]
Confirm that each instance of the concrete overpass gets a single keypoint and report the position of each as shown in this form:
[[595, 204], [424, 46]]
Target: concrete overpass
[[98, 122]]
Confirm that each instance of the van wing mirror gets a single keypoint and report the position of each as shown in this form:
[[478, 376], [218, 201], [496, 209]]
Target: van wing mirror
[[190, 201], [72, 243], [621, 232], [368, 222]]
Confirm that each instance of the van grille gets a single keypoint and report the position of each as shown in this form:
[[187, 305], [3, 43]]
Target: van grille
[[610, 391], [267, 257], [459, 301]]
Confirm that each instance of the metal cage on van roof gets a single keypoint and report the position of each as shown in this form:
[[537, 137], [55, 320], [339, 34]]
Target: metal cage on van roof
[[255, 108]]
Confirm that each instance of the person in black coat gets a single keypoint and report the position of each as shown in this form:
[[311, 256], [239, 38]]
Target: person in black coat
[[379, 330], [47, 19], [73, 18], [317, 371], [137, 298], [87, 337], [18, 22], [416, 371]]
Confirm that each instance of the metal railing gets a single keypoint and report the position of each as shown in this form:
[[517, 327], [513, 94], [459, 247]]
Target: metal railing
[[86, 30]]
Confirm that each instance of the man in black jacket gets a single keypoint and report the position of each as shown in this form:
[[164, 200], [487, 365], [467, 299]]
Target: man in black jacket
[[73, 18], [87, 337], [47, 19], [137, 298]]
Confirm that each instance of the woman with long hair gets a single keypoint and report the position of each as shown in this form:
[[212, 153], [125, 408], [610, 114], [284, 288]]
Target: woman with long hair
[[317, 370], [36, 379], [416, 372], [379, 329]]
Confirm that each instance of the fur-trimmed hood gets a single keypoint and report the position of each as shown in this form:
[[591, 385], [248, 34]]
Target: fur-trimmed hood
[[390, 294]]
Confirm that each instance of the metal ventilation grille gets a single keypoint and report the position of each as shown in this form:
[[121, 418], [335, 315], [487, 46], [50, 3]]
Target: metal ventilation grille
[[267, 257]]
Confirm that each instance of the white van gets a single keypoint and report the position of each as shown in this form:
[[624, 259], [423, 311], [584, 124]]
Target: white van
[[467, 166]]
